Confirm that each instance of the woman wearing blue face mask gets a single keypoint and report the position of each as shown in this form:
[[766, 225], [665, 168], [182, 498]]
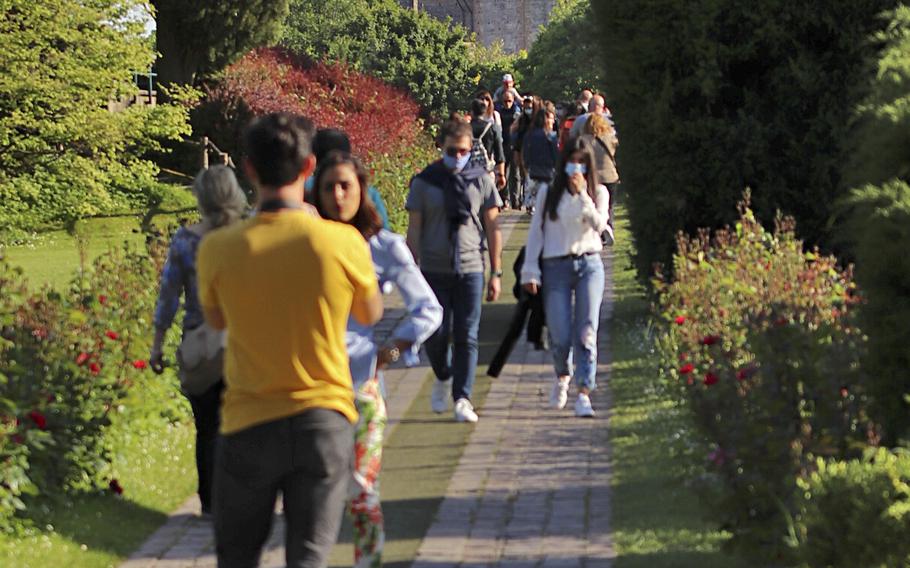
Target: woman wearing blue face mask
[[562, 262]]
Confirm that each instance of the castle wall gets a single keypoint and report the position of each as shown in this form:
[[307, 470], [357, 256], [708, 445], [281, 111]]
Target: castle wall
[[513, 22]]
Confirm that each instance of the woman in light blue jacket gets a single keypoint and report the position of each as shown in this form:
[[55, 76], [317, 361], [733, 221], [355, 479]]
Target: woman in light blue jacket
[[340, 195]]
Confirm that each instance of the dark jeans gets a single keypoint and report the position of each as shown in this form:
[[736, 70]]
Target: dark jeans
[[207, 415], [309, 458], [460, 296]]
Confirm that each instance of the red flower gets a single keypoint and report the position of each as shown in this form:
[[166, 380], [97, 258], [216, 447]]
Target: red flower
[[94, 368], [742, 375], [39, 333], [680, 320], [82, 358], [140, 364], [683, 356], [112, 335], [102, 299], [710, 378], [115, 487], [38, 418], [686, 369], [710, 339]]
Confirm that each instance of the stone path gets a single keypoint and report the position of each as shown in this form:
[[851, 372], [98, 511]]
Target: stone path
[[532, 487], [186, 540]]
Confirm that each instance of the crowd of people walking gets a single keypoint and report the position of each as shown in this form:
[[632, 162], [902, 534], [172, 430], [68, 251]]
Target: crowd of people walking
[[279, 358]]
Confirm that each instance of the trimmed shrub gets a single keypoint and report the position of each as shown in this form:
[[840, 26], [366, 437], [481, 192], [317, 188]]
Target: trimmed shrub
[[761, 346], [857, 513], [713, 97]]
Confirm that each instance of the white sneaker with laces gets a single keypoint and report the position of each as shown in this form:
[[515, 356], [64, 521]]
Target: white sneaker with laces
[[559, 394], [583, 408], [439, 400], [464, 411]]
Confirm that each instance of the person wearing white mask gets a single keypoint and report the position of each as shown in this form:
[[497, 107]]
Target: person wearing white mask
[[562, 261]]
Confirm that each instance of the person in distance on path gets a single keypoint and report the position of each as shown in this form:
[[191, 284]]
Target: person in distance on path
[[563, 259], [453, 210]]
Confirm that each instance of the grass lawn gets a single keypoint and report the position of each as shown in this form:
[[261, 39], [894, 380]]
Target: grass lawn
[[657, 521]]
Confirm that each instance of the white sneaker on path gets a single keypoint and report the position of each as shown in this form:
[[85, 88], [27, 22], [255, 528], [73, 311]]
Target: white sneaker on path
[[559, 394], [583, 408], [464, 411], [442, 391]]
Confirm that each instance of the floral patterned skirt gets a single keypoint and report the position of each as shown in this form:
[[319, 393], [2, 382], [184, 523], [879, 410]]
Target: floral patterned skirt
[[365, 508]]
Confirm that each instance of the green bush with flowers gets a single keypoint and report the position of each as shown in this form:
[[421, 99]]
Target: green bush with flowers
[[760, 345], [67, 362]]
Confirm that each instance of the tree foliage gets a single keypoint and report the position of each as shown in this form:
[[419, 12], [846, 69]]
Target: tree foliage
[[63, 155], [562, 61], [197, 39], [713, 97], [880, 225], [438, 63]]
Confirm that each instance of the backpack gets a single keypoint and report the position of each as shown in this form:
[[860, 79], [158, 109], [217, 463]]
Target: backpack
[[479, 153]]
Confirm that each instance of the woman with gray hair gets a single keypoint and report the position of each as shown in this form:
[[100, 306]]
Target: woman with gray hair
[[221, 202]]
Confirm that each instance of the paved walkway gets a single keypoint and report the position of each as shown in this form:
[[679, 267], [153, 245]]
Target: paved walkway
[[531, 488]]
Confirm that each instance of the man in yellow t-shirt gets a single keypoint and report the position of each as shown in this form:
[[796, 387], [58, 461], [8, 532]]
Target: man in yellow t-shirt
[[283, 284]]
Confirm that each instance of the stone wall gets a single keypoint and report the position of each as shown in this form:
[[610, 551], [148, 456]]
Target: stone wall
[[513, 22]]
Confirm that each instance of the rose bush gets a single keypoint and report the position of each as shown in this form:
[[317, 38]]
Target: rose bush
[[761, 346], [67, 361]]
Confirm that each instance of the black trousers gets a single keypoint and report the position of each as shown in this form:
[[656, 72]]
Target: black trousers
[[309, 458], [207, 416]]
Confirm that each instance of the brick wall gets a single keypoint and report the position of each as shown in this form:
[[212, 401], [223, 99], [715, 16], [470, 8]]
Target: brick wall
[[514, 22]]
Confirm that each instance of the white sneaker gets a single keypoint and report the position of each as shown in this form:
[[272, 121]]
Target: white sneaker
[[464, 411], [559, 394], [583, 408], [439, 400]]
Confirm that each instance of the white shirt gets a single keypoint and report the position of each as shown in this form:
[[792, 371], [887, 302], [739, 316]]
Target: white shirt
[[576, 230]]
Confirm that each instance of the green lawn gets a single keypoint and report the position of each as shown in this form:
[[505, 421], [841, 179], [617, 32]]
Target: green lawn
[[657, 521]]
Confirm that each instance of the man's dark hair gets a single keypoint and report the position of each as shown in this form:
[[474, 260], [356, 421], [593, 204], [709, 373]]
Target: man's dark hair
[[478, 107], [277, 146], [328, 140], [455, 129]]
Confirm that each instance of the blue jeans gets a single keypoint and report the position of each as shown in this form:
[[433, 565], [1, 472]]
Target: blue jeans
[[573, 329], [460, 296]]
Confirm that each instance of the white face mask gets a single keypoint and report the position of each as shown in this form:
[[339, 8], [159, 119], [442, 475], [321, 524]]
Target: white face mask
[[573, 168]]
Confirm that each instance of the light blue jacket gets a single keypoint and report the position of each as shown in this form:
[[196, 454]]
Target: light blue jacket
[[395, 267]]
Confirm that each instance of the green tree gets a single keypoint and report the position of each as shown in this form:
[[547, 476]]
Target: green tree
[[439, 64], [197, 39], [63, 154], [880, 225], [563, 59], [715, 96]]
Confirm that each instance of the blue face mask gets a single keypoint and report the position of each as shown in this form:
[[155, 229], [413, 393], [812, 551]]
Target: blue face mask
[[572, 168], [456, 163]]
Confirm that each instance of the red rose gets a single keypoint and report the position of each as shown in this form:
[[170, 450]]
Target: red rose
[[112, 335], [710, 378], [140, 364], [102, 299], [710, 339], [82, 358], [680, 320], [94, 368], [115, 487], [38, 418], [686, 369], [742, 375]]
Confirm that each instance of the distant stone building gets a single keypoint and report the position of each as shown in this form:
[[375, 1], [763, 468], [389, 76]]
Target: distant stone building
[[514, 22]]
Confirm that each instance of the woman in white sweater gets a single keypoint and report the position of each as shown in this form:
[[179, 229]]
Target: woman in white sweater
[[562, 261]]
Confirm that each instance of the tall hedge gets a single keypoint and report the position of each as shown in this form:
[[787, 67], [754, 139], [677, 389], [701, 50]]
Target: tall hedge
[[880, 226], [715, 96]]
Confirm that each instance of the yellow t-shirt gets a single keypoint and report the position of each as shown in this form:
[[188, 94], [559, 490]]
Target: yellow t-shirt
[[285, 283]]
